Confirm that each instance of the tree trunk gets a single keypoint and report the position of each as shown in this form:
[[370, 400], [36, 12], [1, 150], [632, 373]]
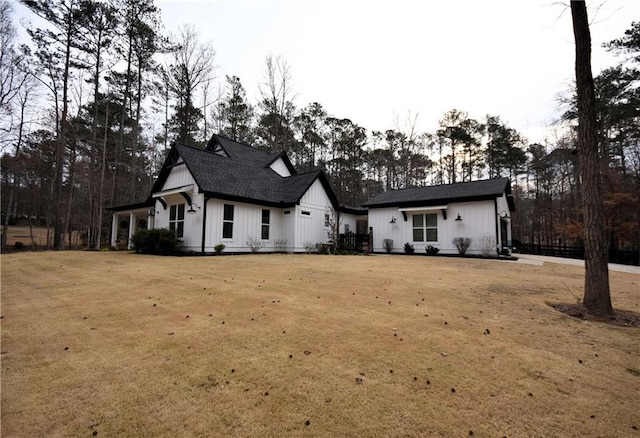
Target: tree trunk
[[597, 298]]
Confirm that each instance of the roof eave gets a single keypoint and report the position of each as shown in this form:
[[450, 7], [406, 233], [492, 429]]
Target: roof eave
[[430, 202]]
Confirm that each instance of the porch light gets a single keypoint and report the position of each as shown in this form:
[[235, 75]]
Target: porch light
[[504, 215], [458, 219], [191, 209], [393, 220]]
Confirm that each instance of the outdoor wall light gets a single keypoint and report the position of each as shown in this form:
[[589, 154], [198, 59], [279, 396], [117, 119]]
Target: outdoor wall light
[[151, 213], [191, 209], [504, 215], [393, 220], [458, 219]]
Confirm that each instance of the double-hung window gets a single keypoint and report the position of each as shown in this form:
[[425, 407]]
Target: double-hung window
[[266, 216], [425, 227], [176, 220], [227, 222]]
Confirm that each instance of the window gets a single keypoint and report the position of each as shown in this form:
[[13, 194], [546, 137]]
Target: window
[[227, 222], [346, 228], [425, 226], [327, 221], [266, 215], [287, 212], [305, 213], [176, 220]]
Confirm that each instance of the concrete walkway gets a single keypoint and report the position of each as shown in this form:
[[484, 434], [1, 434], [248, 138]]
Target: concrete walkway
[[538, 260]]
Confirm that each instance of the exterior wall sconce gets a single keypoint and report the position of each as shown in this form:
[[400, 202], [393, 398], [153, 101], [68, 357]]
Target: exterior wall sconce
[[458, 219], [151, 213], [504, 215], [191, 209], [393, 220]]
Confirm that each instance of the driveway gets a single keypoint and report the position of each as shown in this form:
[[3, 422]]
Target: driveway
[[540, 260]]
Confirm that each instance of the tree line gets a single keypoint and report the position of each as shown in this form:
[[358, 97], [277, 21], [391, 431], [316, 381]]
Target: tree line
[[91, 105]]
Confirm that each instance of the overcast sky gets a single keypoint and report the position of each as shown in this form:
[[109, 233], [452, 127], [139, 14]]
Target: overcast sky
[[376, 61]]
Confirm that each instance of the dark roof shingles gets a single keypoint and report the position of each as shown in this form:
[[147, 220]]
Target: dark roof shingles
[[243, 175], [441, 193]]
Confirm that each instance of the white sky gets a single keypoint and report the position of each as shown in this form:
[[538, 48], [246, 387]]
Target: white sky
[[375, 61]]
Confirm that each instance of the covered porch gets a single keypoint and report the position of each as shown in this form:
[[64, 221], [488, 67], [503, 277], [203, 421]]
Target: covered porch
[[126, 220]]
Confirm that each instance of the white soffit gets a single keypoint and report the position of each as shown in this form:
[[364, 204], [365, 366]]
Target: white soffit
[[175, 191], [431, 208]]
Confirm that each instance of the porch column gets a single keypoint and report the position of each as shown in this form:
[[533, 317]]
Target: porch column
[[114, 229], [132, 227]]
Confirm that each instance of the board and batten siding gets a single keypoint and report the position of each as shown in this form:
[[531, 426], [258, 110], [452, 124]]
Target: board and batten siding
[[192, 222], [178, 177], [247, 222], [478, 219], [311, 227]]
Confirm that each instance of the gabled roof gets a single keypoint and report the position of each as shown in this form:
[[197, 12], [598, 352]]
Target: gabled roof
[[245, 153], [442, 194], [241, 174]]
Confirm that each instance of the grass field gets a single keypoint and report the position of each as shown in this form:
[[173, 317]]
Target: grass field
[[117, 344], [23, 234]]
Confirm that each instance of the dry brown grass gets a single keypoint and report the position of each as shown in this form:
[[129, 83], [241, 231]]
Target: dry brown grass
[[117, 344], [23, 234]]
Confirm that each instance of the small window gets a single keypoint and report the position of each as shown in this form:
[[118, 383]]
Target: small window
[[287, 212], [305, 213], [227, 222], [266, 216], [431, 227], [346, 228], [425, 226], [418, 228], [176, 220], [327, 221]]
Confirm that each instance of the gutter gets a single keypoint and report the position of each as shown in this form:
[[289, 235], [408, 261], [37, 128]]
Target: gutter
[[204, 222]]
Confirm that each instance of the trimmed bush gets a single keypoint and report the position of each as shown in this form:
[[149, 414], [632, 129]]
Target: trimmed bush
[[432, 250], [159, 241], [219, 248], [462, 243], [408, 248]]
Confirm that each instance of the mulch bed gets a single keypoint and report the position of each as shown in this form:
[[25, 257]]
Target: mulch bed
[[622, 318]]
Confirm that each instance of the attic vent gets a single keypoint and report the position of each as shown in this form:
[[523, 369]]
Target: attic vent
[[287, 212], [219, 150]]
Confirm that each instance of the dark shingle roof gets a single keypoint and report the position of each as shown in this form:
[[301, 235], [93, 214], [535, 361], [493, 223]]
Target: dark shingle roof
[[434, 195], [244, 175]]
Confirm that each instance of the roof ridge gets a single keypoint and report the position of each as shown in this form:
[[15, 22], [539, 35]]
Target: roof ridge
[[241, 143]]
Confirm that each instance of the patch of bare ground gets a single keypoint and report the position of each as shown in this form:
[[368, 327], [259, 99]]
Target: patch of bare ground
[[622, 318], [116, 344]]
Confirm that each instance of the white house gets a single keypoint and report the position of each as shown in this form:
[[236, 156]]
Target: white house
[[435, 215], [230, 193]]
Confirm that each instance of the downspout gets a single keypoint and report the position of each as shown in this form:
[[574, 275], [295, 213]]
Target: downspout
[[495, 218], [204, 222]]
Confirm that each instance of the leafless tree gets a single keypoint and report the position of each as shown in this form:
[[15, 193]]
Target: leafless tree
[[12, 77], [277, 96], [192, 67]]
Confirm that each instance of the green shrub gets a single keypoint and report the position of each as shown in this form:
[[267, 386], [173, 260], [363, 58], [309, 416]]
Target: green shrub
[[408, 248], [18, 246], [219, 247], [156, 241]]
